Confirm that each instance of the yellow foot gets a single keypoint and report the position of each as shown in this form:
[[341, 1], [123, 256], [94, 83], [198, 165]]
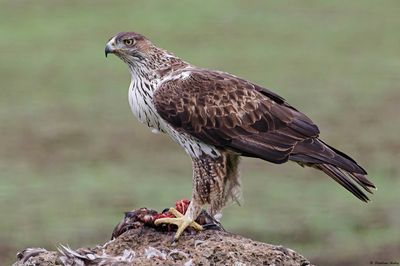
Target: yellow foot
[[181, 221]]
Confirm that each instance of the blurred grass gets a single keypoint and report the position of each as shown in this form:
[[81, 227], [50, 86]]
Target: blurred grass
[[73, 158]]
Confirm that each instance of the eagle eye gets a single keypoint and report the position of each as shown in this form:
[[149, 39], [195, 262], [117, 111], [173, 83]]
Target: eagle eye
[[129, 42]]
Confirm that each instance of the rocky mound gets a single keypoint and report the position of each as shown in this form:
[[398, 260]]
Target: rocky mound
[[136, 241]]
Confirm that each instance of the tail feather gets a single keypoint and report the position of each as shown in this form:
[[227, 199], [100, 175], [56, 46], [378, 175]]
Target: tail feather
[[363, 181], [342, 177], [339, 166], [316, 151]]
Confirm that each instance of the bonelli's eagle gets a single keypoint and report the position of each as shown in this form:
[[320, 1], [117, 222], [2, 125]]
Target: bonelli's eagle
[[216, 118]]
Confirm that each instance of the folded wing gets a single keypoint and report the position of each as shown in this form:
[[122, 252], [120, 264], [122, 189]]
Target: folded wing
[[234, 114]]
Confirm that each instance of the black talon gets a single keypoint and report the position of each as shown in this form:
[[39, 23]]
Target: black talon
[[213, 226], [174, 242]]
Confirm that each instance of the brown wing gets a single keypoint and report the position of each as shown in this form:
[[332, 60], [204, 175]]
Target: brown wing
[[235, 114]]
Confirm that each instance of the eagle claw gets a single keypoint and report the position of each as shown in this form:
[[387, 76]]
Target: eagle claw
[[181, 221]]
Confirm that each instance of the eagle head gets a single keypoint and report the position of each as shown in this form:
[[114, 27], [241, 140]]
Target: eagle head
[[129, 46]]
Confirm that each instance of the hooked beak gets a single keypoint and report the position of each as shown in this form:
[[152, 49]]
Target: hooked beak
[[109, 49]]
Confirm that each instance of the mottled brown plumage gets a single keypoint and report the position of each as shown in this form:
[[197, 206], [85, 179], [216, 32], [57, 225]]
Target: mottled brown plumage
[[217, 117], [238, 116]]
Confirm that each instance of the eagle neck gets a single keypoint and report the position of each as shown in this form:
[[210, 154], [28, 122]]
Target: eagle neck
[[144, 79], [155, 68]]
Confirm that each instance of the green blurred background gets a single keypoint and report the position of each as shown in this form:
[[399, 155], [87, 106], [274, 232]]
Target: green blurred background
[[73, 158]]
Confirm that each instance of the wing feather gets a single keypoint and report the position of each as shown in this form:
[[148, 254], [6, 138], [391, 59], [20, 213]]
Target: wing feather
[[234, 114], [229, 112]]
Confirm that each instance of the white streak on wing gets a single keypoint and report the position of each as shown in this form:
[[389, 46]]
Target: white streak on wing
[[182, 76], [185, 75]]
